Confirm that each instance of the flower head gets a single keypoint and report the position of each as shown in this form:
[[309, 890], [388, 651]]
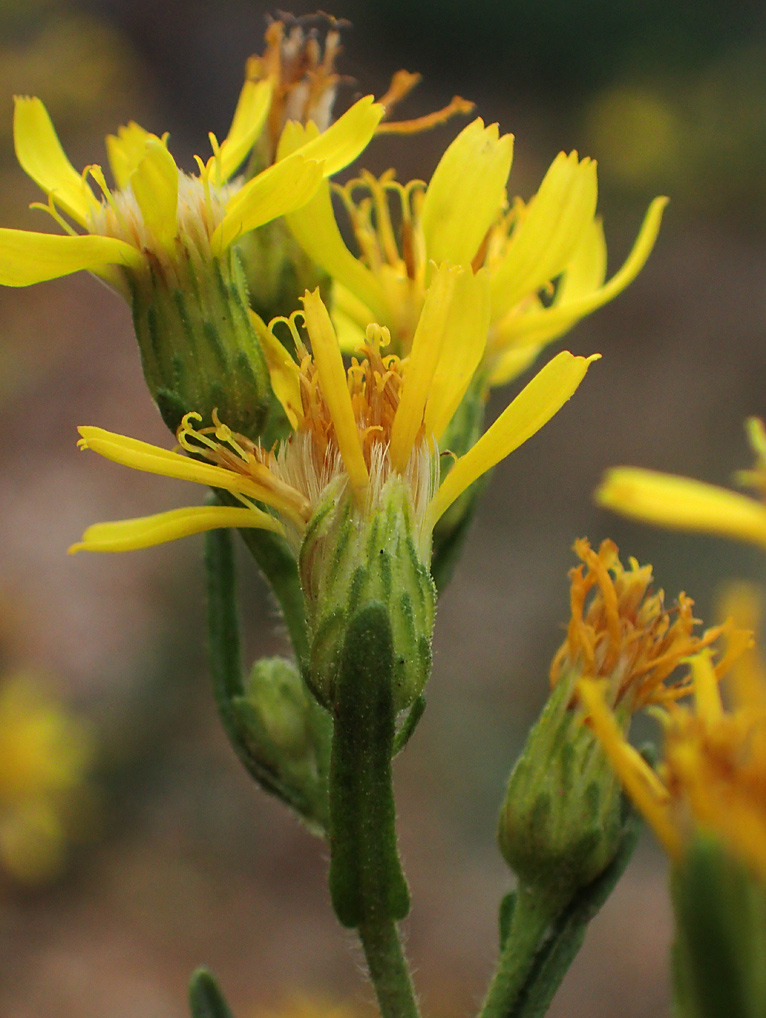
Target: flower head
[[621, 633], [546, 260], [685, 504], [353, 428], [158, 210]]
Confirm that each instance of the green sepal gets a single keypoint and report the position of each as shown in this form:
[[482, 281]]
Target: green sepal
[[300, 787], [199, 350], [205, 997], [411, 722], [719, 957], [366, 879]]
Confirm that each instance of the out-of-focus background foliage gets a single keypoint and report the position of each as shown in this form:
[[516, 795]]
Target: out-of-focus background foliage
[[160, 854]]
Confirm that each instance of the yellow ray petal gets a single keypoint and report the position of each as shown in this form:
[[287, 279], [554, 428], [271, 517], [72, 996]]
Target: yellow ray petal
[[540, 400], [41, 156], [283, 371], [466, 192], [682, 504], [635, 774], [348, 314], [130, 452], [315, 229], [334, 382], [125, 151], [280, 189], [464, 343], [155, 184], [27, 258], [130, 535], [563, 314], [246, 125], [707, 695], [550, 231], [422, 362], [344, 140]]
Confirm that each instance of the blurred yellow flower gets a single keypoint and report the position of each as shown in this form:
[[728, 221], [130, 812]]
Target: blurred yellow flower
[[354, 428], [45, 754], [546, 259], [712, 777], [685, 504]]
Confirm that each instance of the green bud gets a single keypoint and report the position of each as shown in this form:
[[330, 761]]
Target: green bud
[[198, 347], [351, 559], [288, 736], [561, 822], [720, 949], [278, 270]]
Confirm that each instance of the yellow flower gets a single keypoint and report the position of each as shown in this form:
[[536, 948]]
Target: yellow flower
[[157, 211], [44, 757], [353, 428], [685, 504], [621, 634], [547, 259], [712, 777]]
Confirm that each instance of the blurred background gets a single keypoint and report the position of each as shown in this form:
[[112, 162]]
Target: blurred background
[[149, 852]]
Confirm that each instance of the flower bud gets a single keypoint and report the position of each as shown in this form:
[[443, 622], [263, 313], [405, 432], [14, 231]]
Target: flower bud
[[350, 559], [287, 736], [560, 823]]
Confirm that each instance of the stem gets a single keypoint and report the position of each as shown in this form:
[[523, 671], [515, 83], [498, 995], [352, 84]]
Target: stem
[[388, 968], [532, 915]]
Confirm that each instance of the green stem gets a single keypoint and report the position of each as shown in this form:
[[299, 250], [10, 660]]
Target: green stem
[[388, 969], [278, 565], [532, 916]]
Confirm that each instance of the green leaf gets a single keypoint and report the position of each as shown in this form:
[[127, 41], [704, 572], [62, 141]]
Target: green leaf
[[366, 879], [505, 916], [205, 997], [411, 722]]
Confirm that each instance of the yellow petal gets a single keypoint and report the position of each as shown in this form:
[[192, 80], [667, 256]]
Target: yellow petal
[[348, 314], [41, 156], [27, 258], [125, 151], [284, 373], [707, 695], [464, 343], [315, 229], [540, 400], [155, 184], [466, 192], [280, 189], [635, 774], [549, 232], [129, 535], [563, 314], [334, 382], [682, 504], [344, 140], [246, 125], [130, 452], [422, 362], [518, 338]]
